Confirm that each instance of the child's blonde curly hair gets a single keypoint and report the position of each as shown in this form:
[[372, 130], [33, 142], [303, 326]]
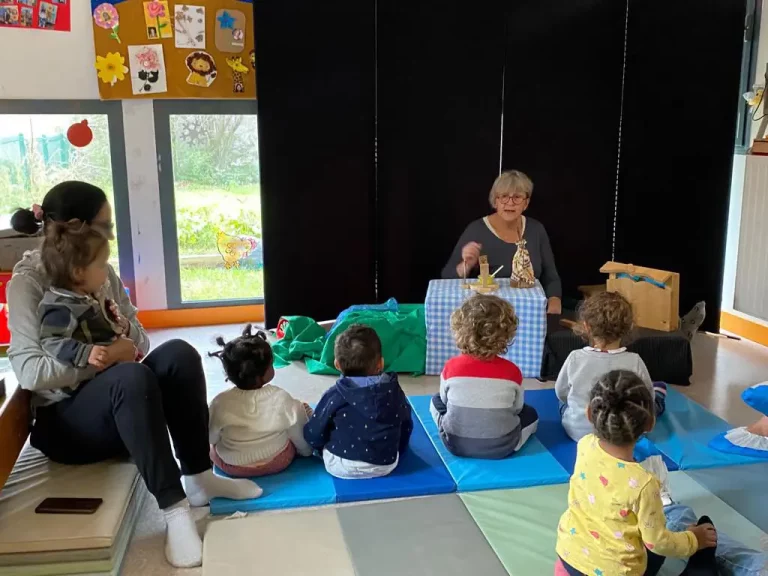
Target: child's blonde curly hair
[[484, 326]]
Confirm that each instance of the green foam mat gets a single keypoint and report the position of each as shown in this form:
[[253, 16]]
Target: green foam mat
[[520, 525], [422, 536]]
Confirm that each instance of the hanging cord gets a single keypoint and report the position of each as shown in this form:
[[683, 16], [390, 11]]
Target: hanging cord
[[621, 120]]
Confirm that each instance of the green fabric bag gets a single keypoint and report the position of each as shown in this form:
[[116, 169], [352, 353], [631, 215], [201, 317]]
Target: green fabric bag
[[303, 337], [403, 336]]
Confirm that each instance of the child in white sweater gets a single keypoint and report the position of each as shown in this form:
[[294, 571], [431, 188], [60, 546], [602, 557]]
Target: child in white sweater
[[254, 429], [605, 319]]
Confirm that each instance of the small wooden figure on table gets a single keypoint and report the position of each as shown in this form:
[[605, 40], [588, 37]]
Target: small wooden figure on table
[[486, 281], [522, 270]]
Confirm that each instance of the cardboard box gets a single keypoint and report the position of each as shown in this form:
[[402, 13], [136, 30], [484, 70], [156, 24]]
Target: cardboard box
[[12, 249], [654, 294]]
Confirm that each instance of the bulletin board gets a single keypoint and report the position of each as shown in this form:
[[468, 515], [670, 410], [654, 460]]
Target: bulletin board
[[167, 49], [34, 15]]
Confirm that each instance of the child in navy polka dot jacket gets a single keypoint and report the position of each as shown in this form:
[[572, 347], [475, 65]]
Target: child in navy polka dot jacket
[[363, 423]]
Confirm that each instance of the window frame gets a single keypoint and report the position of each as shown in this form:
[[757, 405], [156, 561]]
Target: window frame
[[163, 110], [113, 110], [748, 74]]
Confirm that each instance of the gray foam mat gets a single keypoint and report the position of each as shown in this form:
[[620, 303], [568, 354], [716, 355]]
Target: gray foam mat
[[418, 537]]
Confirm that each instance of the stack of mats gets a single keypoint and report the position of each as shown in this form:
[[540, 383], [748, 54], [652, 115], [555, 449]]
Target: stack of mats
[[503, 521], [35, 545]]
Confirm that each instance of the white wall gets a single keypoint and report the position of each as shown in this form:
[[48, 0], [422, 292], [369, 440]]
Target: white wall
[[734, 229], [47, 65], [39, 64]]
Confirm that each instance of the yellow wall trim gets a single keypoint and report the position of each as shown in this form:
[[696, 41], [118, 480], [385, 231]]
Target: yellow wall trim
[[201, 316], [744, 327]]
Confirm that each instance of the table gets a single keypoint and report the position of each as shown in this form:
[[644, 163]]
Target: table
[[444, 296], [667, 355]]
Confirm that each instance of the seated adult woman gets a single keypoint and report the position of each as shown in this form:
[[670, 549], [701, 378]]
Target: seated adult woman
[[86, 415], [498, 235]]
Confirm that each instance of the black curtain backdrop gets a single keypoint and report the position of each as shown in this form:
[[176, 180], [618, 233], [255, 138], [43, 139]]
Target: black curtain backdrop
[[316, 91], [440, 67], [680, 101], [562, 105]]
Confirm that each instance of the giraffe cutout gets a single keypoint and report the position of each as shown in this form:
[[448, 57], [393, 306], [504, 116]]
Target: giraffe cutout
[[238, 69]]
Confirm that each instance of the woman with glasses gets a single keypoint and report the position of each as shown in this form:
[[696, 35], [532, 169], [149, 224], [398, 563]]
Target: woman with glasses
[[499, 235], [84, 414]]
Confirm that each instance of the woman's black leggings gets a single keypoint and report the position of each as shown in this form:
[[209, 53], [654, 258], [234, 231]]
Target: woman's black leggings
[[130, 408]]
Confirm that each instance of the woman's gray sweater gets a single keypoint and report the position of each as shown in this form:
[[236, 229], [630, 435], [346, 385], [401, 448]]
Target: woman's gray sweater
[[501, 253]]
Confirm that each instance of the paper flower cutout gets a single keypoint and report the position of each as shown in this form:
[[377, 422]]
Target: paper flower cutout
[[156, 9], [148, 59], [111, 68], [226, 21], [106, 16]]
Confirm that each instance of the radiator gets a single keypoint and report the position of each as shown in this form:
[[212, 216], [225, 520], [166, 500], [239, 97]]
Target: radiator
[[751, 287]]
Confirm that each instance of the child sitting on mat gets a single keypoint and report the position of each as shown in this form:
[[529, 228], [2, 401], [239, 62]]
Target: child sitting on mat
[[605, 319], [254, 429], [480, 411], [363, 423], [615, 521]]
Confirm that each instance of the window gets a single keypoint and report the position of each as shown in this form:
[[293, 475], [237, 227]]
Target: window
[[749, 75], [210, 201], [35, 154]]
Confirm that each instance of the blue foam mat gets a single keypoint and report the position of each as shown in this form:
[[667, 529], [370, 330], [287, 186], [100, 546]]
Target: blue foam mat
[[742, 488], [552, 434], [420, 472], [304, 483], [531, 466], [683, 434]]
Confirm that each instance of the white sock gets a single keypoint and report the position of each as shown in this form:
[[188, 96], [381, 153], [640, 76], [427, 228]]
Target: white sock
[[183, 546], [201, 488]]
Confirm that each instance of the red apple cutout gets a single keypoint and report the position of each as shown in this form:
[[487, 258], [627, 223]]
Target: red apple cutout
[[79, 134]]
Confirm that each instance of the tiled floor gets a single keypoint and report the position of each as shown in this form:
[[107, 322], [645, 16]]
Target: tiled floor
[[722, 369]]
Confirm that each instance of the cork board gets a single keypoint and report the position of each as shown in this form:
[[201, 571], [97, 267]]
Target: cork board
[[166, 49]]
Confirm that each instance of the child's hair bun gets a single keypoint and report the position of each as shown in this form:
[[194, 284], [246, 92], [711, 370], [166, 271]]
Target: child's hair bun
[[24, 221]]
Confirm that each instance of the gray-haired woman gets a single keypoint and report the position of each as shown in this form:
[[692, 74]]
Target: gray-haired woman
[[497, 236]]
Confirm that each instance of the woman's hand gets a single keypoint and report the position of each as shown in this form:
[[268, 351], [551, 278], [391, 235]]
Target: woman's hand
[[470, 256], [121, 350], [99, 357], [554, 305]]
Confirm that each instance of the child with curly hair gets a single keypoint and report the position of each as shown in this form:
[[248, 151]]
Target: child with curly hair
[[615, 520], [479, 410], [605, 320], [254, 429]]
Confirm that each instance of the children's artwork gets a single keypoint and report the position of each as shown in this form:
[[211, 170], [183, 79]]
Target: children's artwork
[[238, 69], [147, 69], [202, 69], [106, 16], [157, 17], [111, 68], [234, 248], [230, 31], [35, 14], [80, 134], [189, 23]]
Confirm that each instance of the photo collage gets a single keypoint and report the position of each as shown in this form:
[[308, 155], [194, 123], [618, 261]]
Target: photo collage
[[36, 14]]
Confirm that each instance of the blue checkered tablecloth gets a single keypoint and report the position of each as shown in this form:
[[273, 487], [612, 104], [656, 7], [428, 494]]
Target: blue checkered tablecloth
[[444, 296]]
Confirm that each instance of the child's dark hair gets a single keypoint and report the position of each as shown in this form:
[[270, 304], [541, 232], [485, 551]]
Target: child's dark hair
[[66, 201], [70, 245], [621, 407], [246, 359], [607, 316], [358, 351]]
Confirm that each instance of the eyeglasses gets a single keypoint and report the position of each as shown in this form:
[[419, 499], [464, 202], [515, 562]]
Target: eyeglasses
[[516, 199]]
